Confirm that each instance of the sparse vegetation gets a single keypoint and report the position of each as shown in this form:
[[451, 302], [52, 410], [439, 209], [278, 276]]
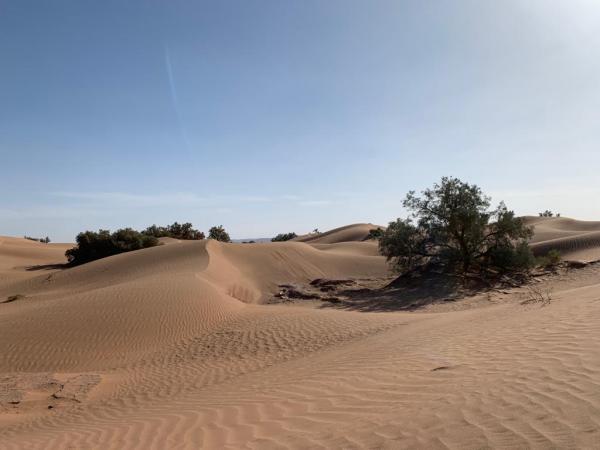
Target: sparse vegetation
[[219, 234], [548, 213], [184, 231], [452, 227], [45, 240], [550, 259], [284, 237], [93, 245]]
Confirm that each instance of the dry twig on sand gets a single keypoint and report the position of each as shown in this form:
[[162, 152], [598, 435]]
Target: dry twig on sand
[[538, 294]]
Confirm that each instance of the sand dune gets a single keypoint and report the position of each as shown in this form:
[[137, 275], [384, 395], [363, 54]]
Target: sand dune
[[172, 347], [350, 233], [575, 239]]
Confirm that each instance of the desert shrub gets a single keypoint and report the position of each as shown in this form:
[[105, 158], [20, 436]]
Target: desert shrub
[[554, 257], [548, 213], [550, 259], [284, 237], [184, 231], [375, 233], [92, 245], [219, 234], [452, 226]]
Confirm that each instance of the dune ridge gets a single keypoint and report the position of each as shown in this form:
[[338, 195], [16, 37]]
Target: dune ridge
[[349, 233]]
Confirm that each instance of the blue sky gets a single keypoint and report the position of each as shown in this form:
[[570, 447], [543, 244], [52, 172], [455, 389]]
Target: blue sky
[[273, 116]]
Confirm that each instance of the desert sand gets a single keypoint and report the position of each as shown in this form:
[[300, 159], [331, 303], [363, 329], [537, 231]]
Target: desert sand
[[178, 346]]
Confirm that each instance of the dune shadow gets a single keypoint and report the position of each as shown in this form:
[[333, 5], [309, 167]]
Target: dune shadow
[[48, 267]]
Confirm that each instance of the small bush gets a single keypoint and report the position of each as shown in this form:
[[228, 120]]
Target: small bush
[[284, 237], [548, 213], [375, 233], [219, 234], [93, 245], [550, 259]]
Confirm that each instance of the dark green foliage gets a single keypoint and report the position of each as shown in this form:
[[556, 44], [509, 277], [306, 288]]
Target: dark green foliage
[[92, 245], [375, 233], [403, 243], [284, 237], [454, 228], [184, 231], [548, 213], [218, 234]]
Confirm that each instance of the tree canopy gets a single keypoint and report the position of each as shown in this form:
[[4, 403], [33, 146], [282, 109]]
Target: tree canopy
[[451, 225]]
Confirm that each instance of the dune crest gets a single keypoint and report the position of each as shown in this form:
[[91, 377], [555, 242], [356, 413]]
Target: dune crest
[[349, 233]]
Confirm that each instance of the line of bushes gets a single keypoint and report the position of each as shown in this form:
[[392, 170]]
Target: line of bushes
[[92, 245], [282, 237]]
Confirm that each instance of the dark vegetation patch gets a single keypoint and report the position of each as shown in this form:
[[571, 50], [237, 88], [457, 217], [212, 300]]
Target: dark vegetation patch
[[284, 237], [92, 245]]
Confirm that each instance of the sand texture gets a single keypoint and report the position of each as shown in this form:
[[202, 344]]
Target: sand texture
[[177, 346]]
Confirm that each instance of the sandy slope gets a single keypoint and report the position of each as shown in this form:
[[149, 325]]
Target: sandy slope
[[170, 347], [349, 233], [575, 239]]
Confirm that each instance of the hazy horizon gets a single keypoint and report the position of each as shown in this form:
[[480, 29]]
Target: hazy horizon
[[272, 117]]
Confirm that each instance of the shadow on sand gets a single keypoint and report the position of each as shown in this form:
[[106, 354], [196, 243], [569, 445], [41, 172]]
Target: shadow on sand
[[48, 267], [406, 293]]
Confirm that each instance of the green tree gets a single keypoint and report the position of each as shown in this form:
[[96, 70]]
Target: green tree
[[218, 233], [452, 225]]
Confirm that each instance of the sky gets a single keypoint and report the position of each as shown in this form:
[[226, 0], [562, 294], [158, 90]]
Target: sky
[[277, 116]]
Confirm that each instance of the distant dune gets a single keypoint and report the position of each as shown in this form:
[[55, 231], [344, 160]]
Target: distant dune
[[575, 239], [174, 347], [349, 233]]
